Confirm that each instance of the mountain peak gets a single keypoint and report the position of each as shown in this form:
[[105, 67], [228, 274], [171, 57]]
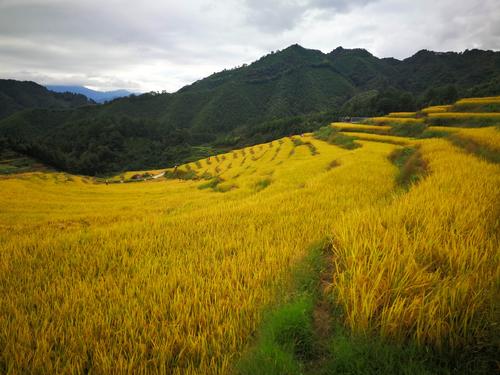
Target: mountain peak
[[339, 51], [296, 47]]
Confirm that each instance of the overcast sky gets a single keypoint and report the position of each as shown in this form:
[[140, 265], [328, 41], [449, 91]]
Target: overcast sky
[[144, 45]]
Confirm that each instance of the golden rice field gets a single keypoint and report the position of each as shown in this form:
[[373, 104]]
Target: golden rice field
[[488, 137], [363, 127], [449, 129], [172, 276], [465, 115], [402, 141], [163, 276], [402, 114], [436, 109], [473, 101], [485, 99], [426, 264], [464, 118], [390, 120]]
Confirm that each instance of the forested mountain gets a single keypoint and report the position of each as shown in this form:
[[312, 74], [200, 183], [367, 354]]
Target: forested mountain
[[96, 96], [19, 95], [285, 92]]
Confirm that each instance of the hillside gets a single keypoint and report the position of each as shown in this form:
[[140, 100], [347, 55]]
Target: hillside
[[16, 96], [288, 92], [96, 96], [361, 248]]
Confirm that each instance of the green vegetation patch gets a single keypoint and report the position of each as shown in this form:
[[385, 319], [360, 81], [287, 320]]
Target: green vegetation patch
[[408, 130], [333, 164], [288, 342], [334, 137], [13, 162], [285, 340], [180, 174], [358, 355], [475, 148], [7, 169], [262, 184], [434, 134], [464, 119], [224, 187], [211, 184], [297, 142], [412, 167], [476, 107], [312, 148]]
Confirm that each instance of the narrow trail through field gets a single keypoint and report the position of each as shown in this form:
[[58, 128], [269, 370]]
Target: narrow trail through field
[[326, 316], [323, 316]]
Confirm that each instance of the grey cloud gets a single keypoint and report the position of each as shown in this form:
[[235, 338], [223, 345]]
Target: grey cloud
[[282, 15]]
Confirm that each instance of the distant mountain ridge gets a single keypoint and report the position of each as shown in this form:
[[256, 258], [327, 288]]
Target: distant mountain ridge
[[97, 96], [285, 92]]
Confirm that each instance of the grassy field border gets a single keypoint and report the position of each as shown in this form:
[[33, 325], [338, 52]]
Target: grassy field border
[[290, 340]]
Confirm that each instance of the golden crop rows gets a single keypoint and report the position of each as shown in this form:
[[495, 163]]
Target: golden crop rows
[[172, 276], [395, 120], [162, 275], [488, 137], [466, 115], [402, 114], [349, 126]]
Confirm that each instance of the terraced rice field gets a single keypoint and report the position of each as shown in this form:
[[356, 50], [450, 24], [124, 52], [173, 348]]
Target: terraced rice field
[[379, 138], [390, 120], [172, 275], [402, 114], [465, 118], [374, 129], [436, 109]]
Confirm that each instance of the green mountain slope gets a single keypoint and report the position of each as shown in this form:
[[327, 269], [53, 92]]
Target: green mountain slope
[[17, 95], [290, 91]]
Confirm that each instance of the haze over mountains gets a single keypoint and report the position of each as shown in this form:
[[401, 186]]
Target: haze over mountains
[[289, 91], [96, 96]]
